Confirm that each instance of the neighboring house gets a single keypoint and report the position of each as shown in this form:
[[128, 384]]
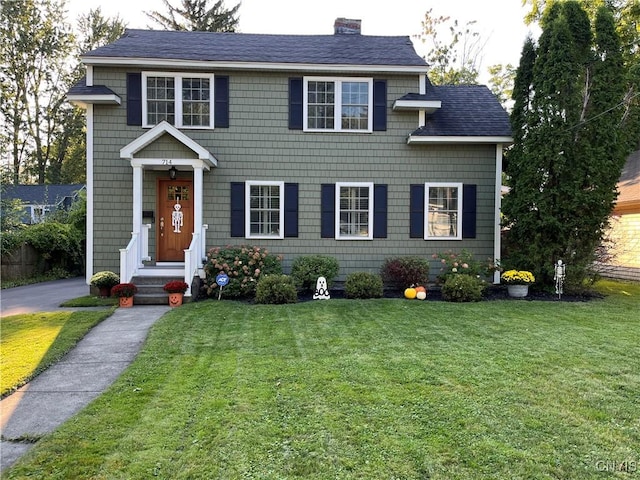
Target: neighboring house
[[302, 144], [38, 201], [625, 224]]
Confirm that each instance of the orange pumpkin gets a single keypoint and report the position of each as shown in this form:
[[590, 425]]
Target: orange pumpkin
[[421, 289], [410, 293]]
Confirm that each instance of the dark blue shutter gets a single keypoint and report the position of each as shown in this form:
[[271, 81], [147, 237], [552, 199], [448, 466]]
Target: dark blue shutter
[[416, 211], [237, 209], [328, 210], [134, 99], [379, 105], [221, 102], [296, 101], [290, 209], [379, 211], [469, 211]]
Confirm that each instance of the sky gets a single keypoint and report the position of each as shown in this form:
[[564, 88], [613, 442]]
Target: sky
[[499, 22]]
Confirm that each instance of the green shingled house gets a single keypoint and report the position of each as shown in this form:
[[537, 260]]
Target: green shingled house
[[302, 144]]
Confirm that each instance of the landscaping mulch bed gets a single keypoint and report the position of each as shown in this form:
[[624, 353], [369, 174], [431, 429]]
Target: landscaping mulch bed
[[493, 292]]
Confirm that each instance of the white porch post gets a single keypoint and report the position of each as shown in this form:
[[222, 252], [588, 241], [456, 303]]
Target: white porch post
[[198, 199], [137, 211]]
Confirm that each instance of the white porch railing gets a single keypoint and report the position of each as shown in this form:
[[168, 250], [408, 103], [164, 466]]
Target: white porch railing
[[129, 259], [137, 251], [194, 257]]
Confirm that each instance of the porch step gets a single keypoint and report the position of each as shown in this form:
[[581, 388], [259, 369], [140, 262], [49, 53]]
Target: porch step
[[151, 291]]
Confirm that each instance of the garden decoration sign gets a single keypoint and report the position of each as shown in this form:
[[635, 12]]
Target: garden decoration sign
[[222, 280]]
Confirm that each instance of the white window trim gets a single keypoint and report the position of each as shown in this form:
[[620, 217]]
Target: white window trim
[[178, 98], [369, 235], [247, 215], [427, 186], [338, 105]]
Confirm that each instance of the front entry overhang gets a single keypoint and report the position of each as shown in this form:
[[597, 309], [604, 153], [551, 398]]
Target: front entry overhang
[[200, 161]]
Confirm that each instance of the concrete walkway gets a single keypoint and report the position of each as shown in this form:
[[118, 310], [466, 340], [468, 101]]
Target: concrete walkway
[[82, 375]]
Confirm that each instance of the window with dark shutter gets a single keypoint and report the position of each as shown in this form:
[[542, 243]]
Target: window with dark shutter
[[469, 193], [328, 211], [379, 211], [290, 209], [379, 105], [134, 99], [237, 209], [296, 102], [221, 99], [416, 211]]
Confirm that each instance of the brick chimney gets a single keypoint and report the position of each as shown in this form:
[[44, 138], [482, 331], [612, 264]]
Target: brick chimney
[[346, 26]]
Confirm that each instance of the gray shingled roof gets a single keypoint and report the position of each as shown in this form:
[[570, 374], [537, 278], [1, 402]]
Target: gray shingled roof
[[41, 194], [341, 49], [467, 111], [81, 88]]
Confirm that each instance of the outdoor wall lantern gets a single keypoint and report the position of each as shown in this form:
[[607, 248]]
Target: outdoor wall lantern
[[173, 172]]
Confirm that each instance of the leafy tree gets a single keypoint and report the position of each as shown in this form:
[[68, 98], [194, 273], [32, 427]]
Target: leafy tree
[[197, 15], [35, 49], [455, 60], [68, 164], [569, 128], [501, 81]]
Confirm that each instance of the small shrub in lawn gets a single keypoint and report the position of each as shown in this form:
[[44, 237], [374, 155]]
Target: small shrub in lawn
[[243, 264], [452, 263], [276, 289], [401, 272], [363, 285], [305, 271], [462, 288]]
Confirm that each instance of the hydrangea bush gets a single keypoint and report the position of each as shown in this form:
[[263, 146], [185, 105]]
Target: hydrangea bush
[[244, 265]]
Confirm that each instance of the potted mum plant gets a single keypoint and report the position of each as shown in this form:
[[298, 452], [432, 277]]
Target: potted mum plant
[[125, 291], [104, 281], [518, 282], [176, 290]]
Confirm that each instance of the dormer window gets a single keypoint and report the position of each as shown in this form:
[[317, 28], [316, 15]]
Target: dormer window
[[185, 101]]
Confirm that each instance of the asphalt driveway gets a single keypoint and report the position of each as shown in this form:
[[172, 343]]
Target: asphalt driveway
[[41, 297]]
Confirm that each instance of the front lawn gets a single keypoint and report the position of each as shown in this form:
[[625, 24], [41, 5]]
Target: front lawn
[[31, 342], [371, 389]]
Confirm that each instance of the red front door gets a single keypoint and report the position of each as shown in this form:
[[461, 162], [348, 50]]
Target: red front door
[[175, 219]]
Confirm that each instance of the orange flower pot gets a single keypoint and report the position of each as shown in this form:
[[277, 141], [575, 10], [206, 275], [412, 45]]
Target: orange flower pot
[[126, 302], [175, 299]]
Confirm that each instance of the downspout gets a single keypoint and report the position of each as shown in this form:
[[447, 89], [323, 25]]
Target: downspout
[[497, 240], [89, 155]]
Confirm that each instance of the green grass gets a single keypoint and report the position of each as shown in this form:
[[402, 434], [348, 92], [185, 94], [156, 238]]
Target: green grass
[[371, 389], [91, 301], [32, 342]]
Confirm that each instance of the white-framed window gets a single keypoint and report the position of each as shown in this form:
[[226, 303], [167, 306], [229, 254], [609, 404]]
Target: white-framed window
[[338, 104], [354, 211], [265, 209], [183, 100], [443, 211]]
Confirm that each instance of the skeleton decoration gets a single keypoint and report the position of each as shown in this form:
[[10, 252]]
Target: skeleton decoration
[[558, 276], [177, 218], [322, 292]]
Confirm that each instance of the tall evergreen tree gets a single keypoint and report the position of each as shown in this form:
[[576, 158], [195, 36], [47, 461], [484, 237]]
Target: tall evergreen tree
[[196, 15], [567, 154]]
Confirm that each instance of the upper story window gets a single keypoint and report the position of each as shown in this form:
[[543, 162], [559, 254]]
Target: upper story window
[[443, 211], [184, 100], [265, 209], [354, 214], [338, 104]]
